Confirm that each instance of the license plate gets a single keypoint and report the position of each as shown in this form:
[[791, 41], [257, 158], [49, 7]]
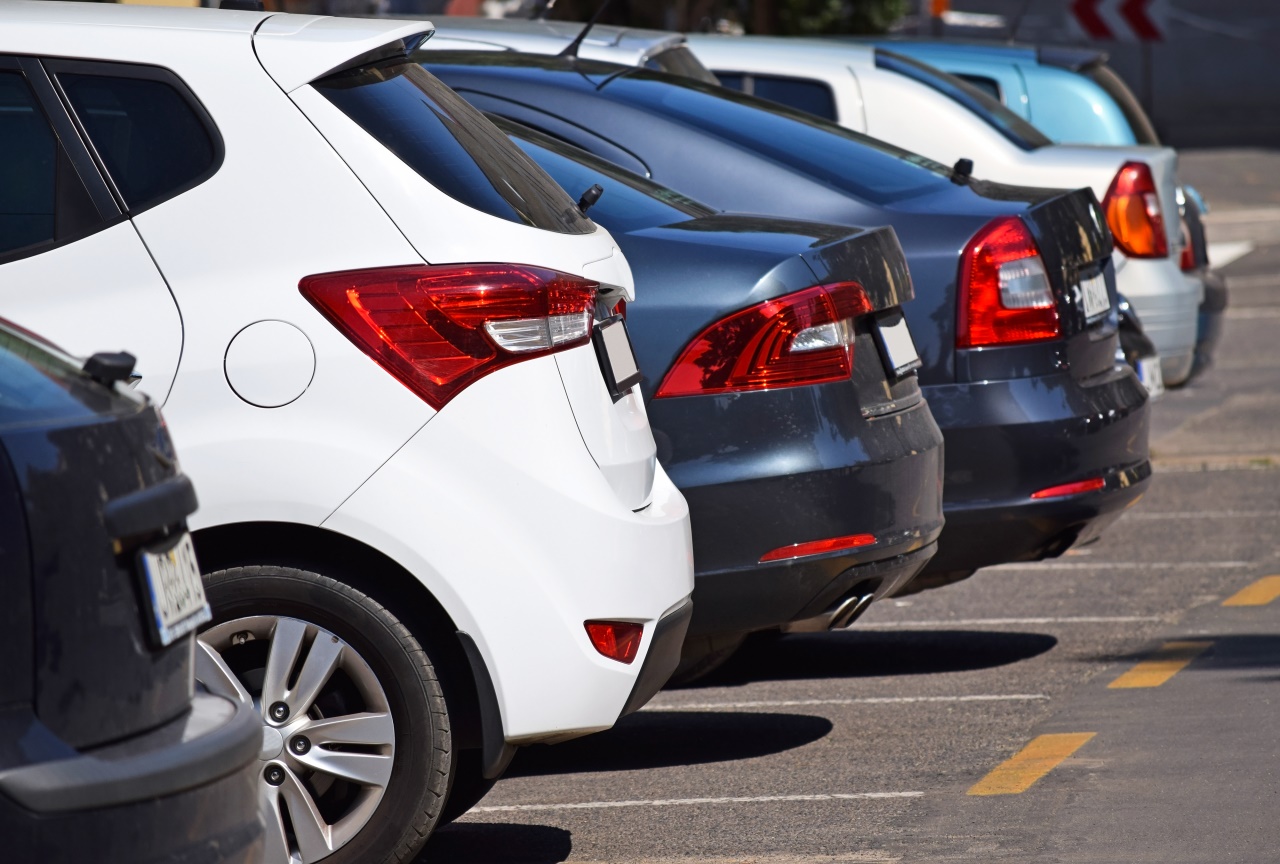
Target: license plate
[[1096, 300], [617, 359], [897, 347], [1151, 376], [174, 591]]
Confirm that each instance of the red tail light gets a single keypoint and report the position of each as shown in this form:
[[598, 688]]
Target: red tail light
[[1004, 296], [801, 338], [617, 640], [438, 329], [1133, 213], [817, 547], [1077, 488], [1187, 261]]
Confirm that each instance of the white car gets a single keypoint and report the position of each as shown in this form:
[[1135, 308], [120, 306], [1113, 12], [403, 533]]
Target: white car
[[432, 523], [918, 108]]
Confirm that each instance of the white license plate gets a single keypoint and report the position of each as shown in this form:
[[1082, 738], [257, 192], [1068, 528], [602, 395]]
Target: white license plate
[[1151, 376], [900, 355], [617, 358], [175, 592], [1096, 300]]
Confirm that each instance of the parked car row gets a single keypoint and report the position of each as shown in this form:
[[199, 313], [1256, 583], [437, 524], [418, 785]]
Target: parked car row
[[515, 383]]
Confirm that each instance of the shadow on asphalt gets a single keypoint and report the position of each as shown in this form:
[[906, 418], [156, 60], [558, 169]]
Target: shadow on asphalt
[[660, 739], [869, 654], [489, 843], [1240, 652]]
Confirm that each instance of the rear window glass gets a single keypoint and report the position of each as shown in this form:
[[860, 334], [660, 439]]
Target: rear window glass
[[451, 145], [987, 85], [1139, 123], [867, 168], [803, 94], [151, 140], [994, 114], [27, 169], [629, 202]]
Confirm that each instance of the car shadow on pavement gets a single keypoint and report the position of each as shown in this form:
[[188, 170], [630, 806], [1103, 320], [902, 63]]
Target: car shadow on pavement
[[496, 843], [1258, 653], [660, 739], [869, 654]]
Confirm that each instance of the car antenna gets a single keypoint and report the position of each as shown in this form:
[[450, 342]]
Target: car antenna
[[571, 50]]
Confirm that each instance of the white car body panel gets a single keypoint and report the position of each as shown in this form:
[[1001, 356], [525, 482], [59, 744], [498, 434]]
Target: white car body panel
[[629, 46], [911, 115], [495, 503]]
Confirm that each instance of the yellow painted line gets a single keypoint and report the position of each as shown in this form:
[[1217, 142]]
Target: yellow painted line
[[1021, 771], [1169, 660], [1260, 593]]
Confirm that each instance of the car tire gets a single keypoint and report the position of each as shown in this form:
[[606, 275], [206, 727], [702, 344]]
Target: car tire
[[469, 786], [375, 790], [702, 655]]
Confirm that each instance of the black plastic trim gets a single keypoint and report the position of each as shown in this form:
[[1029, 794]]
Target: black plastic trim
[[151, 509], [495, 752], [216, 738], [663, 656]]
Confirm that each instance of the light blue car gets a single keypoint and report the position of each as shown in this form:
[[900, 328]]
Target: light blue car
[[1074, 97]]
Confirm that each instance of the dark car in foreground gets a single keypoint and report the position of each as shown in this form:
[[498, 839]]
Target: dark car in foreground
[[1014, 316], [781, 389], [106, 751]]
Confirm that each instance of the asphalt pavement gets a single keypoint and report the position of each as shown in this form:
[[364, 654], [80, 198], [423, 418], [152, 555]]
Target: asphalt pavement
[[1112, 705]]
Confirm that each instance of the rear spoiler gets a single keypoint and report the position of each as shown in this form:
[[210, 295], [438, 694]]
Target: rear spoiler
[[1071, 59], [298, 49]]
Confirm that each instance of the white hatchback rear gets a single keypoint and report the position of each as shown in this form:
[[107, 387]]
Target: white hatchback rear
[[434, 523]]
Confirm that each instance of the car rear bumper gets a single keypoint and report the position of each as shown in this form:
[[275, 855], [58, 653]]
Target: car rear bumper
[[1007, 440], [1167, 302], [791, 470], [186, 791]]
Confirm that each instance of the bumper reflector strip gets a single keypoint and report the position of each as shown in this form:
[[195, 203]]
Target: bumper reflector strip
[[818, 547]]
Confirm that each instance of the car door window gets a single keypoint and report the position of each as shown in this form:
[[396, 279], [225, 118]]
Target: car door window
[[42, 201], [803, 94], [148, 134]]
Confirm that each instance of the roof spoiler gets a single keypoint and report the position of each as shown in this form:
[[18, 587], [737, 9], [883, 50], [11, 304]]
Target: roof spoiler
[[1072, 59], [298, 49]]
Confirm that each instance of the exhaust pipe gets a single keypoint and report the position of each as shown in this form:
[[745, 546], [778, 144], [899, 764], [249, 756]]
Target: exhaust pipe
[[839, 616]]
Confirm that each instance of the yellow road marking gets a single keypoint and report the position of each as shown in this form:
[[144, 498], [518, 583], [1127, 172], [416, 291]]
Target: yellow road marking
[[1171, 659], [1020, 772], [1260, 593]]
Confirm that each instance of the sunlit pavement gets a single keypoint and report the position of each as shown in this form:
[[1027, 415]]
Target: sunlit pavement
[[1116, 704]]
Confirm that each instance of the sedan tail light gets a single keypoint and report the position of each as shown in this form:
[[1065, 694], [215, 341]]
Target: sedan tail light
[[440, 328], [801, 338], [1005, 297], [1133, 213], [1187, 261]]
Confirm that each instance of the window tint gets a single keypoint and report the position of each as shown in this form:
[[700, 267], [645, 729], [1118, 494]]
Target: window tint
[[451, 145], [862, 166], [151, 140], [629, 202], [732, 80], [801, 93], [995, 115], [27, 168]]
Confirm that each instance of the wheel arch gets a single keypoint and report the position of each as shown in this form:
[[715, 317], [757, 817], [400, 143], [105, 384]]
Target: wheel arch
[[464, 678]]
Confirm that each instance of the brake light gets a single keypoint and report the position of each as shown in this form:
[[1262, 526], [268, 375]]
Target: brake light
[[1077, 488], [1133, 212], [801, 338], [1187, 260], [818, 547], [617, 640], [438, 329], [1004, 296]]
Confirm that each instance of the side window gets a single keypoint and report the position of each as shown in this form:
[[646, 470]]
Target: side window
[[987, 85], [148, 135], [42, 201], [801, 93], [732, 80]]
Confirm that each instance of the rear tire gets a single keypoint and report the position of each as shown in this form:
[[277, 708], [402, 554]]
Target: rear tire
[[469, 786], [377, 788]]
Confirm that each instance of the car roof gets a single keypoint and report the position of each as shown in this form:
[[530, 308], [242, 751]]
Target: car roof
[[78, 18], [804, 52], [603, 41]]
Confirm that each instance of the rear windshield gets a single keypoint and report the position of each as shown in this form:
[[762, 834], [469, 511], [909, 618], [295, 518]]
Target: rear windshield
[[1139, 123], [994, 114], [40, 384], [629, 203], [680, 61], [451, 145], [869, 169]]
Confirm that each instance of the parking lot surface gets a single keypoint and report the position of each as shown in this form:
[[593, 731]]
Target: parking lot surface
[[1115, 704]]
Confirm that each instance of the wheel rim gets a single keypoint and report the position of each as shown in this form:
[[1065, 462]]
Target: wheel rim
[[328, 736]]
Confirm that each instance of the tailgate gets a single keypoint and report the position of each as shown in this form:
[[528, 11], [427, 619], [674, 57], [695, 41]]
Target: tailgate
[[873, 259]]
